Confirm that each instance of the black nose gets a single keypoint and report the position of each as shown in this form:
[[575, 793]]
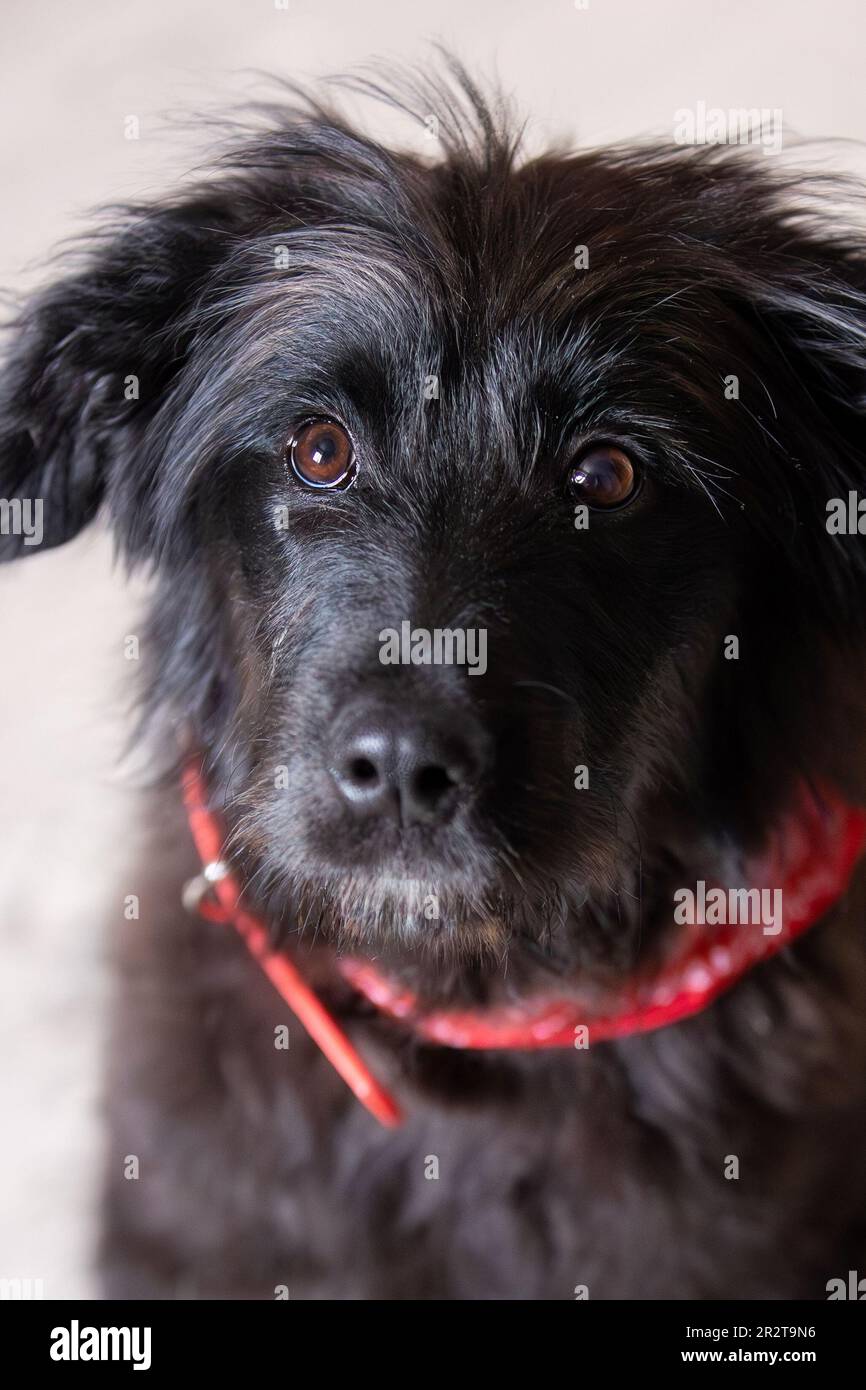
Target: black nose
[[410, 766]]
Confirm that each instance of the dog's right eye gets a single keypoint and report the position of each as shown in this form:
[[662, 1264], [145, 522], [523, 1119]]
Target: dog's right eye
[[603, 476], [321, 455]]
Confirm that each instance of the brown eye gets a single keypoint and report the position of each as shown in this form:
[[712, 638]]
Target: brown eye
[[321, 454], [603, 477]]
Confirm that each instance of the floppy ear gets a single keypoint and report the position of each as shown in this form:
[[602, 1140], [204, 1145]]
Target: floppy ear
[[89, 360], [809, 402]]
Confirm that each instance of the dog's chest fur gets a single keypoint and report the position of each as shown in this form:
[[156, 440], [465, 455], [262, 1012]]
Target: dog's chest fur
[[543, 1176]]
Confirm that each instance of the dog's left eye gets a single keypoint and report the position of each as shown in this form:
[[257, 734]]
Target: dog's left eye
[[603, 476], [321, 455]]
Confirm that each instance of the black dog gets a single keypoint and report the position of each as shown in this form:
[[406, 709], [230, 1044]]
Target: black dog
[[582, 415]]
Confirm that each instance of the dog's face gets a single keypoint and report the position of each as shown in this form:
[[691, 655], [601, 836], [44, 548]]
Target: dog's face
[[444, 446], [487, 505]]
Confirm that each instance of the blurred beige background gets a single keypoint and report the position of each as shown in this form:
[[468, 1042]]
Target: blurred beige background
[[73, 70]]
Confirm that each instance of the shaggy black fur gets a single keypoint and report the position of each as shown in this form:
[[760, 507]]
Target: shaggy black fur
[[317, 273]]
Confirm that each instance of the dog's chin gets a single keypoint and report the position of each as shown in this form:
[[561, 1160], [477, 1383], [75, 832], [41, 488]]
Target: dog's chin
[[405, 919], [463, 938]]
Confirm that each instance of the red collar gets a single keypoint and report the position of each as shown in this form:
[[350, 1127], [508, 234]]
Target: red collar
[[811, 858]]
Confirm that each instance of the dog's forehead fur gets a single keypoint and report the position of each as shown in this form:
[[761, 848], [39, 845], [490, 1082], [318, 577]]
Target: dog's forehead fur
[[353, 275]]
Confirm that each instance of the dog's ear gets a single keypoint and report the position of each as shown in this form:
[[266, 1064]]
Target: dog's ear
[[89, 360], [809, 402]]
